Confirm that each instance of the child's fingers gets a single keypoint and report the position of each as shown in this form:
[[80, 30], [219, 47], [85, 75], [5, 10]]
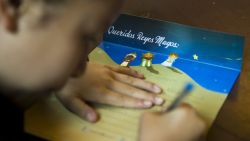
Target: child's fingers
[[122, 100], [125, 70], [80, 108], [139, 83], [111, 97], [129, 90]]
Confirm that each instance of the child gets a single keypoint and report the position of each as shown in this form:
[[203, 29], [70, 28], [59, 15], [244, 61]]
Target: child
[[44, 46]]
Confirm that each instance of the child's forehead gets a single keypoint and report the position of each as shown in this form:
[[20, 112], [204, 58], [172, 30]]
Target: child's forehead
[[69, 13]]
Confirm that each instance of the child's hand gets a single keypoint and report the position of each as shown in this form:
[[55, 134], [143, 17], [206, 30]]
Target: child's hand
[[108, 85], [182, 124]]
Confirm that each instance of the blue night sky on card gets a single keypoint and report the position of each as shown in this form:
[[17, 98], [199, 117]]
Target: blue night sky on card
[[212, 47], [218, 55]]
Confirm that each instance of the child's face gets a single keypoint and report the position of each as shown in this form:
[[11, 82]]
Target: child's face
[[53, 40]]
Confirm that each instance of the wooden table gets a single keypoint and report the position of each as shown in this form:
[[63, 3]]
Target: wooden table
[[233, 16]]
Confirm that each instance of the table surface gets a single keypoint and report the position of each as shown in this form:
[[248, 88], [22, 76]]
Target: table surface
[[233, 16]]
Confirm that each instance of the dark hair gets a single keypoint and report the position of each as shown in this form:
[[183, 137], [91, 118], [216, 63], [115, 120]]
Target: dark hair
[[15, 3]]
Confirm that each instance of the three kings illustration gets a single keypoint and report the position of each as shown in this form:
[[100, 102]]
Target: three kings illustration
[[147, 59], [128, 59], [171, 59]]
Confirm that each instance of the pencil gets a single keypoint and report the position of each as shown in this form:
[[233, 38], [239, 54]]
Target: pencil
[[184, 93]]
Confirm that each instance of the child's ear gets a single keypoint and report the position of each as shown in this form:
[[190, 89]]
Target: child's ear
[[9, 14]]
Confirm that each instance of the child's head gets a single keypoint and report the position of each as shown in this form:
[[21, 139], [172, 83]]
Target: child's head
[[43, 42]]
